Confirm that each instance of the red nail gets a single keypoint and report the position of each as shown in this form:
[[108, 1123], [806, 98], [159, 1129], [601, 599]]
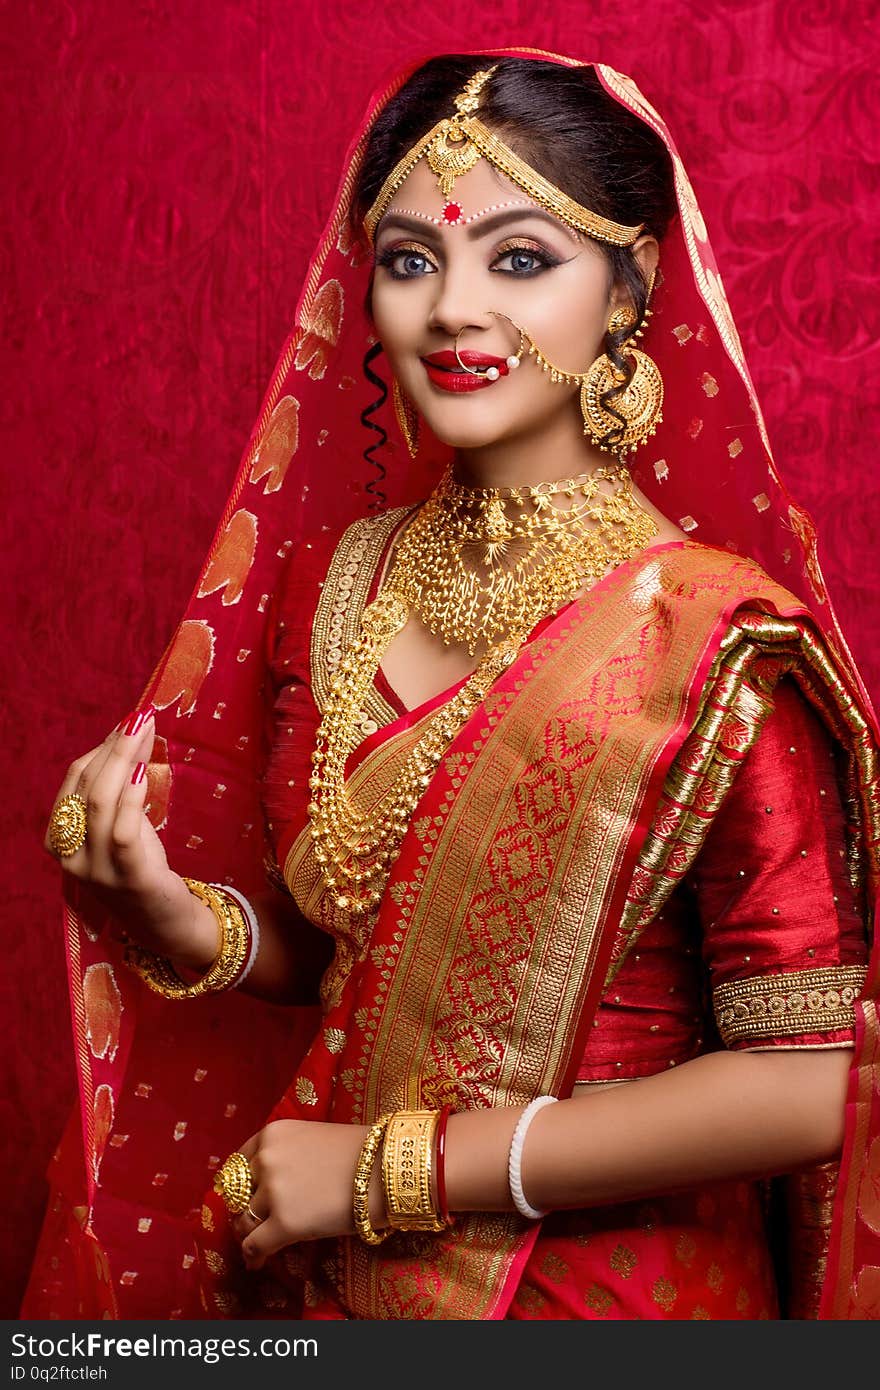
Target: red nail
[[137, 720], [139, 774]]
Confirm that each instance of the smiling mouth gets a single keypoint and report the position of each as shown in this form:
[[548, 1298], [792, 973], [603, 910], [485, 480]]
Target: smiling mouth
[[468, 363]]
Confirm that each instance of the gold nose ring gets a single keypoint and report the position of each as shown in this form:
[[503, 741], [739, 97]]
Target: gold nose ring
[[493, 373], [515, 358]]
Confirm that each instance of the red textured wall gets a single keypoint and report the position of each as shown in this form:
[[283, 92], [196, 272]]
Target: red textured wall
[[168, 168]]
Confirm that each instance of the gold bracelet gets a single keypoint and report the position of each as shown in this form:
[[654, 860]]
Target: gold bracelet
[[159, 974], [407, 1167], [362, 1175]]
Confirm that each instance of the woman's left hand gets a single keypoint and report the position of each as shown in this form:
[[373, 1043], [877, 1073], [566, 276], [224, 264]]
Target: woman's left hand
[[303, 1174]]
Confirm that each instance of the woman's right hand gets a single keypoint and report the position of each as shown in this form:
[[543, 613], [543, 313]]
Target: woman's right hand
[[122, 859]]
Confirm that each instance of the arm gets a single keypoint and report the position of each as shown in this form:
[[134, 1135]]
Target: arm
[[292, 957], [725, 1114]]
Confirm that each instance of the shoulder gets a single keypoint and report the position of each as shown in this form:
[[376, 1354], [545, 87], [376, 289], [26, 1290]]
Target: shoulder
[[695, 568]]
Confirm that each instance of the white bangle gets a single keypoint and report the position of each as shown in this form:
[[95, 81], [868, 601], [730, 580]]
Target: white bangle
[[514, 1161], [253, 922]]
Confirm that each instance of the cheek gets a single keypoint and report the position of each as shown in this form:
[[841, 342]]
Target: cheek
[[398, 313], [571, 322]]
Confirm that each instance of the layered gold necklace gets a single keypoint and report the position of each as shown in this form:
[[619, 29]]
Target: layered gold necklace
[[477, 564], [479, 567]]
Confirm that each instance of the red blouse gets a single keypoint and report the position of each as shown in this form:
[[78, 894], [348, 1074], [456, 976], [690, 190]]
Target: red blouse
[[768, 904]]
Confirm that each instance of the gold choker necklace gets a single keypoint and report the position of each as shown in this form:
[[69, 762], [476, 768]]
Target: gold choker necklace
[[356, 851], [478, 564]]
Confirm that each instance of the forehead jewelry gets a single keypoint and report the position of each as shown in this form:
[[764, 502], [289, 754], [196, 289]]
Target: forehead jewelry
[[453, 213], [453, 146], [508, 365]]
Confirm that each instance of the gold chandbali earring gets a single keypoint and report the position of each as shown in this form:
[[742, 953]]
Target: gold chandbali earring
[[407, 418], [640, 403]]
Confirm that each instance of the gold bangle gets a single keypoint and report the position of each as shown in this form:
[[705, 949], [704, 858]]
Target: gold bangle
[[159, 974], [362, 1176], [407, 1168]]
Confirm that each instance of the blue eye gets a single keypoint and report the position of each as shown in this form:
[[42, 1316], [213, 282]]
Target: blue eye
[[404, 264], [523, 261]]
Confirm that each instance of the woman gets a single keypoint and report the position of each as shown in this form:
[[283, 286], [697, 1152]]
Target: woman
[[574, 793]]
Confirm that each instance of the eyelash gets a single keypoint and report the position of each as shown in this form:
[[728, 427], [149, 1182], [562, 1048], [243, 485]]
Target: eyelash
[[545, 260]]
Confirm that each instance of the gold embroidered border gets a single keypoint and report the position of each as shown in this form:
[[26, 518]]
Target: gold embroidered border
[[487, 959], [343, 598], [755, 653], [799, 1001]]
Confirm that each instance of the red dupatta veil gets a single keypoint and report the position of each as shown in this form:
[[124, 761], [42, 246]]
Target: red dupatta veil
[[167, 1091]]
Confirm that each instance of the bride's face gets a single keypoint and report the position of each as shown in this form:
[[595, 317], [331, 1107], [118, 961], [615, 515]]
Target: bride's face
[[432, 281]]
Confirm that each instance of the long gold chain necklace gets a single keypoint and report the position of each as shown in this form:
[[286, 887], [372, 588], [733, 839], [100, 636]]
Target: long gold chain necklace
[[478, 563], [355, 850]]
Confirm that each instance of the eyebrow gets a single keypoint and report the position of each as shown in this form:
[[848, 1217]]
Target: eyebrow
[[485, 227]]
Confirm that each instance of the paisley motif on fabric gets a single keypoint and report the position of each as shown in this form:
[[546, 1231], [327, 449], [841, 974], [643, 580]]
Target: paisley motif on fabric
[[278, 445], [102, 1003], [159, 780], [231, 562], [103, 1113], [318, 333], [806, 534], [189, 661]]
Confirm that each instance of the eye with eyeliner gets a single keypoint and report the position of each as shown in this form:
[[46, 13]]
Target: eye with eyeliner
[[389, 257], [519, 247]]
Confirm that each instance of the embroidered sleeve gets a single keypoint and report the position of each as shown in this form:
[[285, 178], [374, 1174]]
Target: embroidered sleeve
[[796, 1002], [784, 936]]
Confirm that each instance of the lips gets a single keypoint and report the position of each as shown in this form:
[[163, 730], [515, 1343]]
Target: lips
[[443, 370], [470, 359]]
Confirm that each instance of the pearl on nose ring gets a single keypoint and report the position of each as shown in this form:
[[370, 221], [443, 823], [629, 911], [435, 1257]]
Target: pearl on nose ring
[[492, 373], [515, 358]]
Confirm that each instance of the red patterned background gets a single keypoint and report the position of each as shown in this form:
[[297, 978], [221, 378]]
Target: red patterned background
[[168, 168]]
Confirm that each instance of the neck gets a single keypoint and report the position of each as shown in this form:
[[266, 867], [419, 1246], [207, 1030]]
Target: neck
[[553, 449]]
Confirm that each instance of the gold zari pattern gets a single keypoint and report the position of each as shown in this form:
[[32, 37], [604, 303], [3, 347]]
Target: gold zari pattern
[[776, 1006], [453, 146]]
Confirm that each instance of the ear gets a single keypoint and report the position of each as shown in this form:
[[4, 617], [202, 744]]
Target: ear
[[646, 252]]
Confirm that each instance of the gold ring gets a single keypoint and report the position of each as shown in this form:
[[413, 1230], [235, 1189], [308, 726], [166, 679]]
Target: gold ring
[[253, 1215], [234, 1182], [68, 825]]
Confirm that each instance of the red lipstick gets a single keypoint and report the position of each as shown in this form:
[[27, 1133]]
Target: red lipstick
[[444, 370]]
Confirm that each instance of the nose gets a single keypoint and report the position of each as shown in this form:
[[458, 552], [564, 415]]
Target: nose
[[457, 304]]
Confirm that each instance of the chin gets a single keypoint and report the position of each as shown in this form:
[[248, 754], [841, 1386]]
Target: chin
[[474, 433]]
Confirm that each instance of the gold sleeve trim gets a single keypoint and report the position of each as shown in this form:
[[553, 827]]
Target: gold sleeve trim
[[801, 1001]]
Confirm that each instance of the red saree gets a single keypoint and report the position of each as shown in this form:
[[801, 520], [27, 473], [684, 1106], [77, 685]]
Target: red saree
[[521, 885], [565, 815]]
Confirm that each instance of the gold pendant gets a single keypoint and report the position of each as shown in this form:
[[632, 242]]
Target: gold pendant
[[450, 161]]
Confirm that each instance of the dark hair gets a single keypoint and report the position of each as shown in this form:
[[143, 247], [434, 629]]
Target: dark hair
[[562, 122]]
